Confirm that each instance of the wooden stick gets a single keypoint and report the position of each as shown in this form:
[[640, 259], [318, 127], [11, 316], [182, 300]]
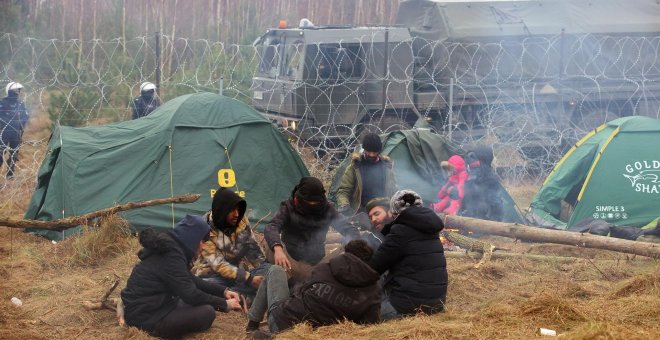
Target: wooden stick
[[534, 234], [73, 221], [534, 257]]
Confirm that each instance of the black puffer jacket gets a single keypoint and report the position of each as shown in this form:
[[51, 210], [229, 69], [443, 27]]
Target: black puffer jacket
[[344, 288], [161, 278], [415, 258], [304, 235]]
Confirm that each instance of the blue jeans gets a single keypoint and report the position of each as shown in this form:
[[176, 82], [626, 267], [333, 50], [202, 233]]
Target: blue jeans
[[274, 290], [241, 288], [387, 311]]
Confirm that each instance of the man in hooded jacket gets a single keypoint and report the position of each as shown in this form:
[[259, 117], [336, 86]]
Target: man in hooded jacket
[[231, 256], [161, 296], [344, 288], [412, 252], [302, 222]]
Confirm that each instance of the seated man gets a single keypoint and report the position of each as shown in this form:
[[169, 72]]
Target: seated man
[[161, 296], [379, 215], [302, 223], [344, 288], [231, 256], [417, 277]]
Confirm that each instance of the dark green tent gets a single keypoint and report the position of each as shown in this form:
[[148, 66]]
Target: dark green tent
[[192, 144], [417, 154], [612, 174]]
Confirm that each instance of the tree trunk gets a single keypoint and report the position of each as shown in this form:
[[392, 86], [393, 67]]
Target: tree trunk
[[94, 34], [80, 34], [552, 236], [123, 27], [70, 222]]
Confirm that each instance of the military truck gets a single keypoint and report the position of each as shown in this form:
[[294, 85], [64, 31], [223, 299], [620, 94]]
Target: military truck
[[532, 74]]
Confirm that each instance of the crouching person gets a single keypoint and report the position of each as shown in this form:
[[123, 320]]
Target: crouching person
[[344, 288], [414, 256], [162, 296]]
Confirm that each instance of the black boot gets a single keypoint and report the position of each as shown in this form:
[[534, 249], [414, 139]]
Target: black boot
[[252, 326]]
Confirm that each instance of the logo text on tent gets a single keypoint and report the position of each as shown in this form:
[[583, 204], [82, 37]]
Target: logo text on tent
[[227, 179], [644, 176]]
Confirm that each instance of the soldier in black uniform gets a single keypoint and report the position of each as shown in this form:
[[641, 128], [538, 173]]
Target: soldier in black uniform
[[146, 102], [13, 118]]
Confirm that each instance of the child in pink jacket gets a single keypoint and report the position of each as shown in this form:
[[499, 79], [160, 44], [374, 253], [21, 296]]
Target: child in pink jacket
[[452, 192]]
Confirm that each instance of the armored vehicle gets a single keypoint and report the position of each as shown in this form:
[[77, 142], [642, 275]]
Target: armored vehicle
[[524, 73]]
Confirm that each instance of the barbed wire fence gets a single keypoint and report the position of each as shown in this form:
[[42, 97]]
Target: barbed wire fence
[[530, 99]]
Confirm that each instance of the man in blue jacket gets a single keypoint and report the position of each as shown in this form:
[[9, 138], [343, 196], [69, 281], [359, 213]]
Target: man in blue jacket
[[13, 118]]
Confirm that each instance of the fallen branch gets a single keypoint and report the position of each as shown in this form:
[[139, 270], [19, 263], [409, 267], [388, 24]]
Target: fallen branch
[[534, 234], [533, 257], [73, 221], [115, 305]]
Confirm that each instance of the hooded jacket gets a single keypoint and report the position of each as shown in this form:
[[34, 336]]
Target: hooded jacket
[[452, 192], [415, 258], [161, 278], [230, 252], [349, 192], [344, 288], [304, 235], [482, 188]]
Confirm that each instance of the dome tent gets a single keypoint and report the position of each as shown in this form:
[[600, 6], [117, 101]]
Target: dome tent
[[191, 144], [612, 174]]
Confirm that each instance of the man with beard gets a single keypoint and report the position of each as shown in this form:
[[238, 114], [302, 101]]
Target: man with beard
[[414, 256], [231, 256], [379, 213], [302, 222], [13, 118], [369, 175], [146, 102]]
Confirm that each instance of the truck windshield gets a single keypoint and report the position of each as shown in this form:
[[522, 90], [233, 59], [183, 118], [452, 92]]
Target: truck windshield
[[281, 58], [271, 50]]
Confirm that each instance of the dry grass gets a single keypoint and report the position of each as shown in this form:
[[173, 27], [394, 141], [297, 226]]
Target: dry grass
[[509, 298], [96, 245]]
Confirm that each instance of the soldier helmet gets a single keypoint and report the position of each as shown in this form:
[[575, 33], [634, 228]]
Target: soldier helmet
[[147, 86], [13, 86]]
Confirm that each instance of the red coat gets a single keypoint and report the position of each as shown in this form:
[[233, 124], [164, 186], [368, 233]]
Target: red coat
[[452, 192]]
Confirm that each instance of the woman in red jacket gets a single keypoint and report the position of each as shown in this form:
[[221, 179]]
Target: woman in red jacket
[[451, 194]]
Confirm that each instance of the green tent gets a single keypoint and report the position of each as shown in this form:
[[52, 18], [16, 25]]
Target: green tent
[[191, 144], [612, 174], [417, 154]]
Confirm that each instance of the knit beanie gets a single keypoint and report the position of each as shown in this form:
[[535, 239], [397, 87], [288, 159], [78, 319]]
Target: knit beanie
[[371, 143], [404, 199], [378, 202], [191, 230], [224, 201]]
